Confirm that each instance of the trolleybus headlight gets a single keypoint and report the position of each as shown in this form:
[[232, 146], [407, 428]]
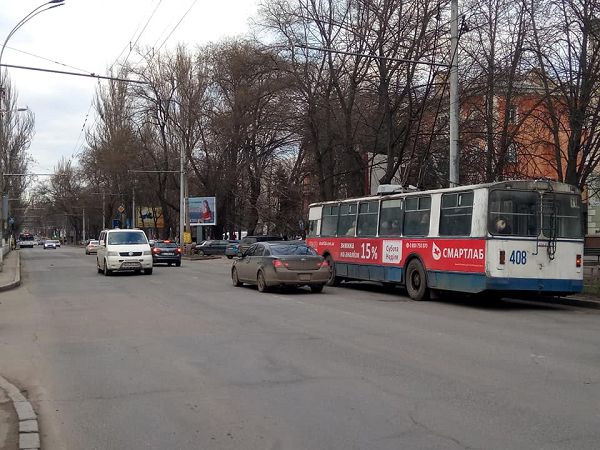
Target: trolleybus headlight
[[578, 261]]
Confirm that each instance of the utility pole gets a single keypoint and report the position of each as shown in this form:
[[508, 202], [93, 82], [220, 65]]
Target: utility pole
[[133, 216], [454, 103], [103, 211], [83, 221], [181, 198]]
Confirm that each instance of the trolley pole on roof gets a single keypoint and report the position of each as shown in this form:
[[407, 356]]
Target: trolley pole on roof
[[454, 104]]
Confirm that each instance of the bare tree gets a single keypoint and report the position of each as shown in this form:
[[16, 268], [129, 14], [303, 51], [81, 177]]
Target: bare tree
[[565, 39]]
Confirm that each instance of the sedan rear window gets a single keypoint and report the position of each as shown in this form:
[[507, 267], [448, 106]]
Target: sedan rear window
[[165, 244], [283, 250]]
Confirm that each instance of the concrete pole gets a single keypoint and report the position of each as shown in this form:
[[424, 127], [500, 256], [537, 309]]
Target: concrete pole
[[133, 207], [181, 198], [83, 231], [103, 212], [454, 102]]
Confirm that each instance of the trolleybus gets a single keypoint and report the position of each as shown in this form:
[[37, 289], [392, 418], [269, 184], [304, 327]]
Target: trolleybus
[[506, 237], [26, 240]]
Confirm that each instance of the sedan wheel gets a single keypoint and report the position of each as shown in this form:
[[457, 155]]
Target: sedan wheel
[[201, 252], [333, 279], [261, 283], [234, 278], [316, 288]]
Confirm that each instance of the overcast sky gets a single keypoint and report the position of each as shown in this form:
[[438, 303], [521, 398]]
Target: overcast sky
[[90, 35]]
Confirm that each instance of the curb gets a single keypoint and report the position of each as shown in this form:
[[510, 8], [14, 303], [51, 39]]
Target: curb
[[583, 303], [17, 281], [29, 437]]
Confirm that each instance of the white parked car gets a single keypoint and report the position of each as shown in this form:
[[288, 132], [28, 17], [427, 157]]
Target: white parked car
[[123, 250]]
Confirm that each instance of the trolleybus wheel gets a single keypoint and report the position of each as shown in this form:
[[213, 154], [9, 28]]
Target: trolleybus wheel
[[416, 281]]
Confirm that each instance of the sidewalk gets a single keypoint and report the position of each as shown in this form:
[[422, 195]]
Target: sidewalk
[[10, 277], [18, 419]]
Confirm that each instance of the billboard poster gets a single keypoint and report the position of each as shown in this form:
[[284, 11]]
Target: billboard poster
[[149, 217], [203, 211]]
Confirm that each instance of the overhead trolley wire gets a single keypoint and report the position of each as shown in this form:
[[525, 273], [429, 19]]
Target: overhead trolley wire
[[76, 150]]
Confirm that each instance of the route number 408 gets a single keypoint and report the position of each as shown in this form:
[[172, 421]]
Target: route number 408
[[518, 257]]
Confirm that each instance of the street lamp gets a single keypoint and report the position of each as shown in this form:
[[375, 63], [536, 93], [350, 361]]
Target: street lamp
[[40, 9], [51, 4]]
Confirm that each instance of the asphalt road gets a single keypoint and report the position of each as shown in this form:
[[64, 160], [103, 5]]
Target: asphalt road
[[182, 359]]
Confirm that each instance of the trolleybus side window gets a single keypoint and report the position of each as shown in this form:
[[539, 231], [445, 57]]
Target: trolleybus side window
[[329, 221], [347, 221], [456, 214], [367, 218], [416, 216], [514, 213], [567, 214], [390, 219]]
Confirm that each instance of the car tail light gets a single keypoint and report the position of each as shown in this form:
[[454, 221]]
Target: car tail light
[[578, 261], [502, 257], [156, 250], [278, 264], [324, 263], [178, 250]]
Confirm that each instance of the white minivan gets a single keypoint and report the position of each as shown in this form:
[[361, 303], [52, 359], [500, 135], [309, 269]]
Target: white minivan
[[123, 250]]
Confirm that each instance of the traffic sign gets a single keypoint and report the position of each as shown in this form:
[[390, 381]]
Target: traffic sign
[[121, 209]]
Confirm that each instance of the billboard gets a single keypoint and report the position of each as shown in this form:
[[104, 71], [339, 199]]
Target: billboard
[[203, 210], [149, 217]]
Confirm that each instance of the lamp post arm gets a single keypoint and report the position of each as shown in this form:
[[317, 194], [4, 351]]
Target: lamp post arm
[[25, 19]]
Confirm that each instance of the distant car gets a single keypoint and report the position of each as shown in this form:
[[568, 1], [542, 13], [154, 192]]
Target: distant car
[[51, 243], [232, 249], [249, 240], [166, 252], [211, 247], [92, 247], [269, 264]]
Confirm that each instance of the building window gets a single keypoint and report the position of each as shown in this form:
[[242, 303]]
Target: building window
[[513, 114], [511, 153]]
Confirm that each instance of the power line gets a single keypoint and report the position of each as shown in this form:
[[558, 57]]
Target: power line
[[177, 25], [76, 150], [365, 55], [129, 44], [62, 72], [48, 59]]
